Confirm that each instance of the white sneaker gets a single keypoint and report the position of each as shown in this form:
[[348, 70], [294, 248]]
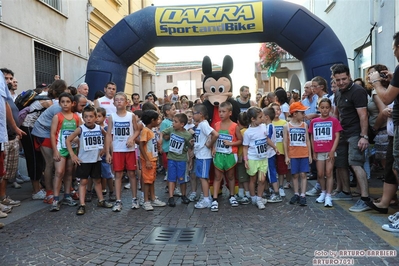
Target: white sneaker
[[16, 185], [394, 217], [158, 203], [328, 202], [215, 206], [135, 204], [147, 206], [260, 204], [39, 195], [177, 192], [321, 198], [203, 204], [192, 196], [127, 186], [281, 192]]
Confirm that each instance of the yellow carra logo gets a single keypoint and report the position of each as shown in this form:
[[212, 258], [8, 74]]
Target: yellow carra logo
[[207, 14]]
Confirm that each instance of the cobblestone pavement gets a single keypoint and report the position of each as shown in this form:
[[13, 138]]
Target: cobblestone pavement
[[282, 234]]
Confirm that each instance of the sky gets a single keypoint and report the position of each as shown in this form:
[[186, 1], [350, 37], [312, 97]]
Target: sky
[[244, 55]]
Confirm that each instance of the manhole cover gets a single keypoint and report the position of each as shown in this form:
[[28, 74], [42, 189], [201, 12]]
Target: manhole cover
[[169, 235]]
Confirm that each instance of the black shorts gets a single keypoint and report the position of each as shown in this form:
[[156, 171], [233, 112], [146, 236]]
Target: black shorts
[[86, 170]]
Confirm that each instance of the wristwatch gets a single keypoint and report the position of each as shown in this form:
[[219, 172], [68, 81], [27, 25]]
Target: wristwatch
[[365, 137]]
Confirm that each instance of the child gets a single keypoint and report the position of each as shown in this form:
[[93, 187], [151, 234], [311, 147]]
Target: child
[[269, 115], [169, 111], [184, 105], [190, 127], [243, 177], [282, 168], [204, 138], [177, 156], [121, 133], [91, 143], [325, 131], [297, 150], [149, 156], [106, 172], [174, 96], [225, 153], [63, 124], [255, 154]]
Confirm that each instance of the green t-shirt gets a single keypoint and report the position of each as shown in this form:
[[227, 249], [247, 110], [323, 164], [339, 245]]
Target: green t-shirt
[[179, 144]]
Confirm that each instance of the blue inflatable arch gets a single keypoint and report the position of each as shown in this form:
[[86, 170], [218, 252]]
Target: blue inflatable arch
[[291, 26]]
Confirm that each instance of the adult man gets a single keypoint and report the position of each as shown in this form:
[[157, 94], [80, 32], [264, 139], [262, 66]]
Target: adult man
[[351, 101], [258, 97], [13, 89], [244, 102], [310, 101], [136, 102], [107, 101], [11, 145], [83, 89]]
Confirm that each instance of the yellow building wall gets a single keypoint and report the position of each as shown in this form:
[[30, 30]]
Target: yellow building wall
[[105, 15]]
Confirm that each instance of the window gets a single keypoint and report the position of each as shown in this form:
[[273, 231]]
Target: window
[[47, 63], [362, 61], [56, 4], [169, 79]]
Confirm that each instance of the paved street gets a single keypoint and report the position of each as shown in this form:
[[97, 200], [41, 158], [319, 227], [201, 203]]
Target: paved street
[[282, 234]]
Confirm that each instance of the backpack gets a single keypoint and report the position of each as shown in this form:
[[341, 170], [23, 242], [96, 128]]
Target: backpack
[[26, 98]]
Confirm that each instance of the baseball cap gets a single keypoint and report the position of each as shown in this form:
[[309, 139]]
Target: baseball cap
[[295, 91], [297, 106]]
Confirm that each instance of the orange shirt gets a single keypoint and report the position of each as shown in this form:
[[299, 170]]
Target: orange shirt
[[150, 144], [297, 135], [229, 135]]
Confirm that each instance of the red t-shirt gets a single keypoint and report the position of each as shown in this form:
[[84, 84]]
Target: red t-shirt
[[323, 131]]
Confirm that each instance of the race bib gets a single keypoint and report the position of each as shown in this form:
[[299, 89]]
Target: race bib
[[92, 140], [176, 144], [154, 147], [279, 133], [322, 131], [261, 147], [121, 131], [64, 135], [297, 137], [220, 147], [196, 135]]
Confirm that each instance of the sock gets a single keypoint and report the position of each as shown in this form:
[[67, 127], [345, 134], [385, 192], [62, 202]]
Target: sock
[[328, 195], [241, 192], [247, 194], [254, 199], [365, 198], [303, 195], [323, 192], [56, 198], [67, 195]]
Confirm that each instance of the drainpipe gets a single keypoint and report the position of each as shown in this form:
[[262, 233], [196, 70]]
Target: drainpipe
[[371, 13]]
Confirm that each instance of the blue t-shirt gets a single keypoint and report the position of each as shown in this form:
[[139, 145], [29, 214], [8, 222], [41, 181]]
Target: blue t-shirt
[[164, 125]]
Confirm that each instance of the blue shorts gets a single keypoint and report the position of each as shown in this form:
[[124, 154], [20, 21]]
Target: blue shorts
[[202, 168], [106, 169], [177, 171], [299, 165], [272, 172]]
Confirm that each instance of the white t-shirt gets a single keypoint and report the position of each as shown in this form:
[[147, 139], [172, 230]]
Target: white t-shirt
[[256, 140], [122, 129], [285, 108], [202, 133], [189, 126]]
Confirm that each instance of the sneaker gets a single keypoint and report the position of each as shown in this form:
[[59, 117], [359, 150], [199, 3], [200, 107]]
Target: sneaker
[[158, 203], [74, 195], [171, 202], [112, 197], [266, 194], [141, 201], [177, 192], [260, 204], [147, 206], [360, 206], [233, 201], [244, 200], [49, 199], [88, 196], [203, 204], [40, 195], [104, 191], [294, 199], [117, 206], [328, 202], [10, 202], [313, 192], [19, 180], [81, 210], [16, 185], [275, 198], [214, 206], [3, 214], [394, 227], [192, 197], [321, 198], [281, 192], [302, 201], [341, 196], [185, 200], [127, 186], [69, 201], [392, 218], [287, 185], [104, 204], [135, 203], [55, 207], [22, 177], [5, 209]]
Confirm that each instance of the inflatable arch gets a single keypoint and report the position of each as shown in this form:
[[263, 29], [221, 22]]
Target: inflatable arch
[[291, 26]]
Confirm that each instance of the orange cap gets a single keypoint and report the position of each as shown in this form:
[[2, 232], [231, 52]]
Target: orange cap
[[297, 106]]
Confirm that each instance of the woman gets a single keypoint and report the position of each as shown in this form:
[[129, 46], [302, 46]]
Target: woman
[[264, 102], [281, 97]]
